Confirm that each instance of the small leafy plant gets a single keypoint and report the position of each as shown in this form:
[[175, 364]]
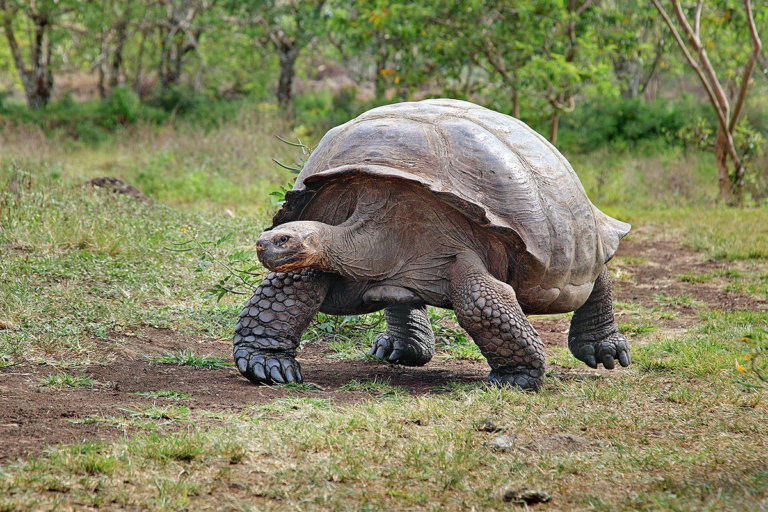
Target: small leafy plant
[[755, 359]]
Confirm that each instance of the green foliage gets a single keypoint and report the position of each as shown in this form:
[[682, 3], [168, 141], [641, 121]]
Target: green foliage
[[756, 342], [618, 121]]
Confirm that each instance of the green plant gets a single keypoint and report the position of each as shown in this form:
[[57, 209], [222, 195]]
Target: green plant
[[188, 358], [756, 341], [65, 380]]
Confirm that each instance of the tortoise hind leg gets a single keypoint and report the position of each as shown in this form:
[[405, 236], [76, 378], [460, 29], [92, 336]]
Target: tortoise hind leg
[[593, 337], [488, 310], [408, 339]]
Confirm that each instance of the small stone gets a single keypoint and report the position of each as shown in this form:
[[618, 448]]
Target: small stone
[[502, 443], [524, 496]]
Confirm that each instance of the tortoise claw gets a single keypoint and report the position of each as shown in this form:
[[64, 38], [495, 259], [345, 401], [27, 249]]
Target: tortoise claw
[[605, 351], [267, 367], [397, 352]]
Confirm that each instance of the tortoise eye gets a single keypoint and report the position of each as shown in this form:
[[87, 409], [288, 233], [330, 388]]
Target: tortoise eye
[[282, 240]]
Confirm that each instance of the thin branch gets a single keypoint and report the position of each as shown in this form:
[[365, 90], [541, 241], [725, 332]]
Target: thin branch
[[748, 68], [555, 102], [707, 86], [695, 41], [697, 18]]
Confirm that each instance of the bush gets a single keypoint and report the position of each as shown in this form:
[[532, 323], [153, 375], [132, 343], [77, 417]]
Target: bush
[[608, 121]]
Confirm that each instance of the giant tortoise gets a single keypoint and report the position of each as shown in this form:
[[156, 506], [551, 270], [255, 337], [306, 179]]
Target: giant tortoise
[[435, 203]]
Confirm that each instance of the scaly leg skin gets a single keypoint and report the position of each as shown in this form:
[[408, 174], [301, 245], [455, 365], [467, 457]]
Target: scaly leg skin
[[271, 324], [488, 310], [408, 339], [593, 337]]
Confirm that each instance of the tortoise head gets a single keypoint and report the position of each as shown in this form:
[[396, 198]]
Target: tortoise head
[[291, 246]]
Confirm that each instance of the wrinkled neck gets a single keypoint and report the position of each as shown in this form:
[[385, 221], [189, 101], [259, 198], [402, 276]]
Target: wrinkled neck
[[351, 246]]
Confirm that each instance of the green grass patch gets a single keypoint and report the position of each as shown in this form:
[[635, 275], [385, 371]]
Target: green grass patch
[[561, 356], [171, 394], [347, 337], [712, 348], [65, 380], [677, 300], [636, 328], [694, 278], [187, 357], [375, 387], [184, 446], [451, 340]]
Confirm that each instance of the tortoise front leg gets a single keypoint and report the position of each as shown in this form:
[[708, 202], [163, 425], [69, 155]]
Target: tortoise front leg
[[488, 310], [409, 339], [272, 322]]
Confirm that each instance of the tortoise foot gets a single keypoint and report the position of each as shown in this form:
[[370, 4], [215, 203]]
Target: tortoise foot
[[605, 351], [520, 377], [267, 366], [395, 351]]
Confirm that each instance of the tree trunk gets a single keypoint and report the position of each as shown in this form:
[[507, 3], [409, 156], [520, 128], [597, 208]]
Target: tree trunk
[[515, 102], [140, 60], [627, 71], [102, 58], [553, 126], [163, 56], [38, 81], [287, 52], [121, 35], [381, 65], [723, 176]]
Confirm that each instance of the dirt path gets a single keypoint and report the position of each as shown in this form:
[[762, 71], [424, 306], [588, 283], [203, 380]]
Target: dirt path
[[32, 417]]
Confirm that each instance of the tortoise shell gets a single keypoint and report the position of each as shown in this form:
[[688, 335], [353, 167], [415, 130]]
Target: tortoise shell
[[493, 168]]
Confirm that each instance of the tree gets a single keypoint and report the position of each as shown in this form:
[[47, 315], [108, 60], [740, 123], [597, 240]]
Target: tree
[[40, 15], [179, 35], [289, 26], [396, 40], [639, 41], [727, 110], [547, 49]]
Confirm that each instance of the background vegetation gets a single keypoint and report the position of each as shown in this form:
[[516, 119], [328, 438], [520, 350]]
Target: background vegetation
[[586, 73]]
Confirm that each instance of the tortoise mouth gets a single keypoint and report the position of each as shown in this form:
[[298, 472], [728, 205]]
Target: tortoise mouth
[[280, 261]]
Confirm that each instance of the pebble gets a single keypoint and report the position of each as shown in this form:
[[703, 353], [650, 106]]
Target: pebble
[[502, 443]]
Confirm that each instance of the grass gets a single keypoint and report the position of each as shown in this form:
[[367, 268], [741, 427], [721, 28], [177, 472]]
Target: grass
[[348, 337], [186, 357], [681, 429], [62, 380], [171, 394], [375, 387]]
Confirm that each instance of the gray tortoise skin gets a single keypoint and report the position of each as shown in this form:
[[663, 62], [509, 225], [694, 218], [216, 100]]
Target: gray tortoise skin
[[442, 203]]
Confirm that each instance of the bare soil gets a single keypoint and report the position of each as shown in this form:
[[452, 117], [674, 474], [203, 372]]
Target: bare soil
[[33, 417]]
